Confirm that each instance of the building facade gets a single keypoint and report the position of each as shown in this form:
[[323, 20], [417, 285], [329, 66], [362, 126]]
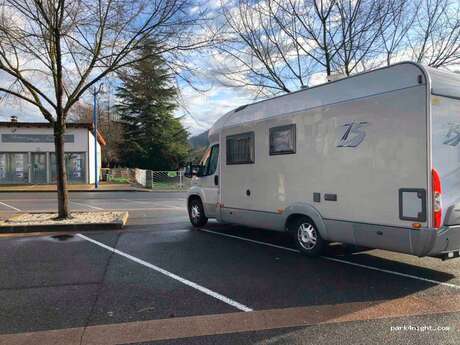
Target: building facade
[[27, 153]]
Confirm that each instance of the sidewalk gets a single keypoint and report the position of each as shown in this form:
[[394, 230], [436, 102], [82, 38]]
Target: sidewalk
[[103, 187]]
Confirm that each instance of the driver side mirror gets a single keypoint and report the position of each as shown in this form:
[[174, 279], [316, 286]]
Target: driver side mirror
[[192, 170]]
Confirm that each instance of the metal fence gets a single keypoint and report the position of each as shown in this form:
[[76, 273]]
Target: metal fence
[[170, 180], [159, 180]]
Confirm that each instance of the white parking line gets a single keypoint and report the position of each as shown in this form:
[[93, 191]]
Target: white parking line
[[86, 205], [12, 207], [436, 282], [253, 241], [187, 282]]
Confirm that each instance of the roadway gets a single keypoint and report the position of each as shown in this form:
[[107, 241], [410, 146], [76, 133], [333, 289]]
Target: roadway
[[159, 281]]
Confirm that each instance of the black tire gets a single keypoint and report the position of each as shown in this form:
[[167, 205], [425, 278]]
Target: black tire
[[307, 237], [196, 213]]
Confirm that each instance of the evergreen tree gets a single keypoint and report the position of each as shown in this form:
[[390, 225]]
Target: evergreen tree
[[153, 138]]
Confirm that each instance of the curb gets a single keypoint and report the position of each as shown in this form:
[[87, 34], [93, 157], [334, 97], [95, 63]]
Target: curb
[[117, 225]]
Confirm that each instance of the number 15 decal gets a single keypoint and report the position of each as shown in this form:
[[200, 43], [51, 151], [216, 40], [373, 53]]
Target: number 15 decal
[[354, 134], [453, 136]]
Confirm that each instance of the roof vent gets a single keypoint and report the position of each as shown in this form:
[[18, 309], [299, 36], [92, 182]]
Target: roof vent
[[240, 108], [335, 76], [14, 118]]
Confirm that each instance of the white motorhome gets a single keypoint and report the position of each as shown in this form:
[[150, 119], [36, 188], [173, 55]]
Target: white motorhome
[[372, 160]]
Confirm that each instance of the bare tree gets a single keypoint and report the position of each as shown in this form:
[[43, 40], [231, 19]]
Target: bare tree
[[107, 124], [276, 45], [314, 29], [259, 53], [395, 27], [53, 51], [434, 37], [81, 112], [339, 35], [361, 23]]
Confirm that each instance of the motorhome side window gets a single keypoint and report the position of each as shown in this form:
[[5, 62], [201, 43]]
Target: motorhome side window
[[240, 148], [282, 140]]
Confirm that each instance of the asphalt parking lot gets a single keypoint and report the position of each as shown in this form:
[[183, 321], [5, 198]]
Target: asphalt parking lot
[[159, 281]]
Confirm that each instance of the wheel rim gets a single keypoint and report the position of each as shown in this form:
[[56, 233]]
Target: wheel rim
[[195, 213], [306, 235]]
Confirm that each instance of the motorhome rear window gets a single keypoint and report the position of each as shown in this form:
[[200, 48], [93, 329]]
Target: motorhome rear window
[[282, 140], [240, 148]]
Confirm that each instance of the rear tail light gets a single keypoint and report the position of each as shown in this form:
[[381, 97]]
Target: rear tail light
[[437, 199]]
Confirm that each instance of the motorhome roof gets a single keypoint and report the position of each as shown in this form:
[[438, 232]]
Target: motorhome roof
[[444, 83], [386, 79]]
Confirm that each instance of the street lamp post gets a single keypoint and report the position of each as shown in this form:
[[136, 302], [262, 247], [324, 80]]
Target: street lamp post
[[95, 91]]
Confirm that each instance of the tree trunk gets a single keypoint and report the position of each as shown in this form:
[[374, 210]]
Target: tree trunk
[[61, 175]]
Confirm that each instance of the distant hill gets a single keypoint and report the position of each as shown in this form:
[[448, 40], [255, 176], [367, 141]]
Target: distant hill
[[200, 140]]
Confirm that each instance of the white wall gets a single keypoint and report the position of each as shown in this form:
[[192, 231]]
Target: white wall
[[140, 176], [91, 167]]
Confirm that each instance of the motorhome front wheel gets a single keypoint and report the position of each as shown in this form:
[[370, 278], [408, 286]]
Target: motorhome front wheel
[[196, 213]]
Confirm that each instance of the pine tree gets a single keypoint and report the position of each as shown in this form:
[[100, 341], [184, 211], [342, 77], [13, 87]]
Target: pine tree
[[153, 138]]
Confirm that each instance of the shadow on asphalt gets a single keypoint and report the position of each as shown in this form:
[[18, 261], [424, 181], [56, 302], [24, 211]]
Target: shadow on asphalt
[[356, 254]]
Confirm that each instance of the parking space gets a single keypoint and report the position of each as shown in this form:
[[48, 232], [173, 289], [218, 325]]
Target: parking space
[[270, 277], [160, 281], [93, 201]]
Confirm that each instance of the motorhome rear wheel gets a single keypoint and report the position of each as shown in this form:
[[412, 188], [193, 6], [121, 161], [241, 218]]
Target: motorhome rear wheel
[[307, 237]]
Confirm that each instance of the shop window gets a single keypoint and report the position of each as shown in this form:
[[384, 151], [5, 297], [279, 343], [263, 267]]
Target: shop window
[[14, 168], [75, 167]]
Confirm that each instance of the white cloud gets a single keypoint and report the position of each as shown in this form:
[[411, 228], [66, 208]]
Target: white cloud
[[201, 109], [25, 112]]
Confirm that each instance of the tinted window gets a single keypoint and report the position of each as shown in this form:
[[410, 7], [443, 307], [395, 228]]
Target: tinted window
[[282, 140], [240, 148], [204, 161], [213, 159]]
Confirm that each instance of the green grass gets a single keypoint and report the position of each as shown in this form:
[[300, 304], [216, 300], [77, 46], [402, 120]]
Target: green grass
[[119, 180], [165, 185]]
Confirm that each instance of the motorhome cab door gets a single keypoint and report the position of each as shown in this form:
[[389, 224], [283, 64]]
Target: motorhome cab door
[[209, 180]]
